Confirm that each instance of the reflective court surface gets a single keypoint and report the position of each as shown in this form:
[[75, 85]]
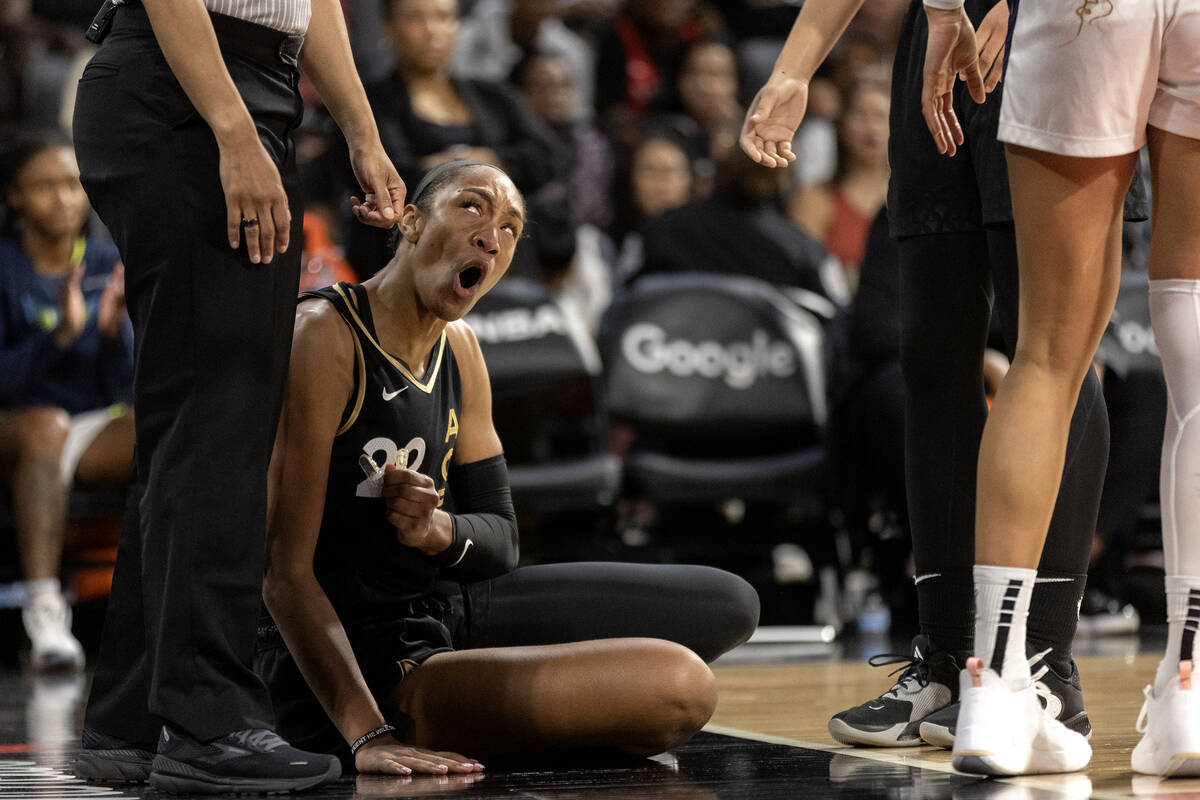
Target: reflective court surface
[[767, 740]]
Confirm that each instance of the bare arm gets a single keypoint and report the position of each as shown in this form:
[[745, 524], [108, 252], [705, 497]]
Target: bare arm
[[250, 180], [328, 63], [320, 379], [778, 108]]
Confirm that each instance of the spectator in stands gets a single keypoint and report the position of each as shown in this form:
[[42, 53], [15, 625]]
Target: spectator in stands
[[740, 230], [66, 361], [660, 178], [707, 109], [499, 34], [638, 58], [426, 117], [839, 213], [548, 85]]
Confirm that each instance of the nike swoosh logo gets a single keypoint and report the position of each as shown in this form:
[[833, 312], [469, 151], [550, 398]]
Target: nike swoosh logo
[[389, 395]]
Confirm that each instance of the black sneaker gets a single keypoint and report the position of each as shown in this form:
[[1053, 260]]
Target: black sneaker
[[1063, 697], [928, 682], [256, 760], [105, 759]]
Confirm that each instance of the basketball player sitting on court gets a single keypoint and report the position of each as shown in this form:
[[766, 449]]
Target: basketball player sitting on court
[[408, 631]]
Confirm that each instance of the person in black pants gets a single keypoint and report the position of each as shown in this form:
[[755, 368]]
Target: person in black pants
[[182, 129], [398, 625], [953, 222]]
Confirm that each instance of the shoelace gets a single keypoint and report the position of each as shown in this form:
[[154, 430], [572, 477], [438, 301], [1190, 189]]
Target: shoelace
[[1143, 720], [260, 739], [1040, 688], [912, 668]]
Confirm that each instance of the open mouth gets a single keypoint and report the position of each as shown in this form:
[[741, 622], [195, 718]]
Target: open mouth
[[470, 277]]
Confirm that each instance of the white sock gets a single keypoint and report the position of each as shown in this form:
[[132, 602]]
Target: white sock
[[1175, 316], [42, 586], [1183, 620], [1001, 607]]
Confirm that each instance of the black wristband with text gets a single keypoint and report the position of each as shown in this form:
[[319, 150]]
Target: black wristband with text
[[370, 736]]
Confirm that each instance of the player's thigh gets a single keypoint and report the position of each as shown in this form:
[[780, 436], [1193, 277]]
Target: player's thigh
[[1175, 238], [1067, 212]]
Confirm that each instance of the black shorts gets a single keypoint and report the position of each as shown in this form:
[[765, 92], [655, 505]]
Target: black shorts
[[929, 193], [386, 651]]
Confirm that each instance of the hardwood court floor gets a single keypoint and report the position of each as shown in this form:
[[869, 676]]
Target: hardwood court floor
[[794, 702], [767, 742]]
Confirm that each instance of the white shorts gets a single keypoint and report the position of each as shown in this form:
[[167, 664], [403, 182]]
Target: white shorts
[[84, 429], [1090, 88]]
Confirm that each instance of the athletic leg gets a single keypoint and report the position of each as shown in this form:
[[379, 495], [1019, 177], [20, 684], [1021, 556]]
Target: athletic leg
[[945, 305], [1067, 213], [1172, 735], [31, 451], [31, 445], [1062, 571], [707, 610], [642, 696]]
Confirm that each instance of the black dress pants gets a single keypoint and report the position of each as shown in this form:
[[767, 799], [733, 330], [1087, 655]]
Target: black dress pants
[[212, 335]]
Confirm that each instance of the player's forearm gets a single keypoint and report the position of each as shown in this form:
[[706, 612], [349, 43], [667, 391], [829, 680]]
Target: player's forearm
[[314, 634], [185, 36], [816, 30], [328, 63]]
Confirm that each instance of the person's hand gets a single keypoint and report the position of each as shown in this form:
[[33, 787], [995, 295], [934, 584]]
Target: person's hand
[[111, 311], [383, 190], [991, 35], [951, 51], [772, 119], [411, 501], [255, 202], [386, 755], [72, 311]]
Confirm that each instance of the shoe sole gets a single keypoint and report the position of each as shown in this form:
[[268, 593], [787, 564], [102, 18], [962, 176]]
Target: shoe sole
[[899, 735], [936, 735], [941, 735], [1180, 764], [1039, 762], [176, 777], [117, 767]]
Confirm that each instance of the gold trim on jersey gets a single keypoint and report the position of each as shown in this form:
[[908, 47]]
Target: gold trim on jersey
[[361, 392], [359, 359], [427, 386]]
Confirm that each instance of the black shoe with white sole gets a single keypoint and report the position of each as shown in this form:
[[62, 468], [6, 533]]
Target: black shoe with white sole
[[252, 761], [928, 682]]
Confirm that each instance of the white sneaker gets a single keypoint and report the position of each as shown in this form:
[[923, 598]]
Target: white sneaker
[[47, 619], [1170, 728], [1005, 732]]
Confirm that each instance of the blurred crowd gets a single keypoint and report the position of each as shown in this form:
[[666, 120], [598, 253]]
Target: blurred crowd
[[618, 120]]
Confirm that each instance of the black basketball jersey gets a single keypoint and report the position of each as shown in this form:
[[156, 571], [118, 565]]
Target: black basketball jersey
[[390, 418]]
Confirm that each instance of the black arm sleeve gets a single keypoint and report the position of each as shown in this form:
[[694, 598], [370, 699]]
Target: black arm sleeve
[[486, 541]]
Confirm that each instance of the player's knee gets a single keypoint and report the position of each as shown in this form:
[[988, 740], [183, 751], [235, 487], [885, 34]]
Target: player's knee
[[738, 609], [44, 433], [685, 696]]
